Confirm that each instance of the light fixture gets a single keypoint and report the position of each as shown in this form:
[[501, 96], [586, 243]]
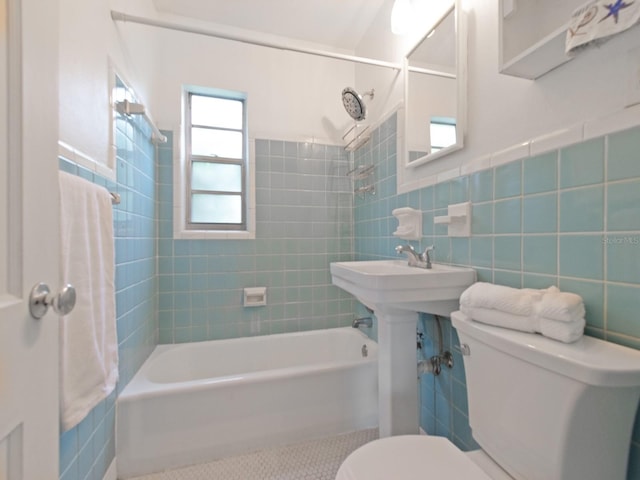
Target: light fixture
[[401, 16]]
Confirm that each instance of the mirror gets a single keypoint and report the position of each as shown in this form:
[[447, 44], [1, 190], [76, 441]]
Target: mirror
[[435, 90]]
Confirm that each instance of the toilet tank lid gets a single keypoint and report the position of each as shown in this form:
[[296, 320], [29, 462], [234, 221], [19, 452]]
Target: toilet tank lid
[[589, 360]]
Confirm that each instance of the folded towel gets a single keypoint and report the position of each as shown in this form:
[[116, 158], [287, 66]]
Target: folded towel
[[567, 332], [497, 318], [560, 306], [88, 340], [518, 301]]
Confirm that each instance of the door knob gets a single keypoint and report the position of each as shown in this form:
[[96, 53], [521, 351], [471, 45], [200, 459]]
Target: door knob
[[41, 298]]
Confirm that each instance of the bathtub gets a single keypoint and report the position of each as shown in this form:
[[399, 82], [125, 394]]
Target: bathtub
[[198, 402]]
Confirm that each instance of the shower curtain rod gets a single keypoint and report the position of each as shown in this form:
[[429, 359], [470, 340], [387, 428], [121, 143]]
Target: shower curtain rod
[[124, 17], [129, 108], [428, 71]]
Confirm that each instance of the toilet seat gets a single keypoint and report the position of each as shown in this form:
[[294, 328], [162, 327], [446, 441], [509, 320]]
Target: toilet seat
[[409, 457]]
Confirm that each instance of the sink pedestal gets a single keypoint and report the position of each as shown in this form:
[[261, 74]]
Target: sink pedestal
[[397, 373], [396, 292]]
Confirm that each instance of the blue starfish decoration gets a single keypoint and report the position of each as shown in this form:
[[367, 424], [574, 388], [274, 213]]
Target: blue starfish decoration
[[614, 9]]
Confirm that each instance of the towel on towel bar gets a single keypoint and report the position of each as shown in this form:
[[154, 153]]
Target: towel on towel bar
[[88, 340]]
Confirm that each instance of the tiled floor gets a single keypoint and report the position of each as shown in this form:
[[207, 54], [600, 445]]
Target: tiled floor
[[313, 460]]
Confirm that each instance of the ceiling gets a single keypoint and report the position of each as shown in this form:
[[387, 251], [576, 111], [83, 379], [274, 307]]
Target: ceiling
[[339, 24]]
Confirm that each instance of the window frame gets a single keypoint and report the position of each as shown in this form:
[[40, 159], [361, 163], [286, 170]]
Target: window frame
[[190, 159]]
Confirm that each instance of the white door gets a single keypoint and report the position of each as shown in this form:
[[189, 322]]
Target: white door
[[29, 238]]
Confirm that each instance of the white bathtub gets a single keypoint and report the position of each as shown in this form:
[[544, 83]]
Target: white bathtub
[[193, 403]]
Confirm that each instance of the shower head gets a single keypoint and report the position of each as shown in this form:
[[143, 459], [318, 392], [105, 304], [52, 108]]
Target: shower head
[[354, 104]]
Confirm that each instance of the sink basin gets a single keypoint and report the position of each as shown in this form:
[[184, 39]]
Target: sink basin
[[392, 284]]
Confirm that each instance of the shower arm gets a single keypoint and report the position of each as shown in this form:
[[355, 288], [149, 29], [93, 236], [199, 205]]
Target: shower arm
[[369, 93]]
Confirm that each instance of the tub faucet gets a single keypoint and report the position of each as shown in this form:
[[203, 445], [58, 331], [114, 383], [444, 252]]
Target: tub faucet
[[364, 321], [420, 260]]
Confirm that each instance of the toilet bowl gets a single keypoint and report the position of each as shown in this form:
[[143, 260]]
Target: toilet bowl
[[409, 457]]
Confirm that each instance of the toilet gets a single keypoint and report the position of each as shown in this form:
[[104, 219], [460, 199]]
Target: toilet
[[539, 409]]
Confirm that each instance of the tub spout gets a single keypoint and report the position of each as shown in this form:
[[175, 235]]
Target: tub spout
[[364, 321]]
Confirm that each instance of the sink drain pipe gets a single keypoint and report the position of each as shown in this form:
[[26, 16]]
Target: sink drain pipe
[[435, 363]]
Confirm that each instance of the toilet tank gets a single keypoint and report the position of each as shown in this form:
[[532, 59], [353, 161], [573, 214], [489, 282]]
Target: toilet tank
[[546, 410]]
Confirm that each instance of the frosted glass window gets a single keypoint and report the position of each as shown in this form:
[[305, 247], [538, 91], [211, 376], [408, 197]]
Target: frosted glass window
[[211, 208], [217, 136], [216, 143], [220, 177], [216, 112], [442, 135]]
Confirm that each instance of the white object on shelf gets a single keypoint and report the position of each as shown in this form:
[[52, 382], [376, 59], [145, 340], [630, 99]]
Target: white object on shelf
[[409, 223], [255, 296], [458, 219]]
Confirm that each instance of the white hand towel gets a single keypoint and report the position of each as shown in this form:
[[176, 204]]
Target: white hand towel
[[561, 306], [88, 340], [566, 332], [518, 301], [497, 318]]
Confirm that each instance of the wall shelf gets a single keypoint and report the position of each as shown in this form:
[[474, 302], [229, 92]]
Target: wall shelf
[[532, 36], [540, 58]]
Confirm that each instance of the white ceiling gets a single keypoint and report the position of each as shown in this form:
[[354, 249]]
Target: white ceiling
[[339, 24]]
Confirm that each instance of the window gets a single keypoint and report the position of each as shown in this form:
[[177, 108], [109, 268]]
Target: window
[[442, 131], [216, 154]]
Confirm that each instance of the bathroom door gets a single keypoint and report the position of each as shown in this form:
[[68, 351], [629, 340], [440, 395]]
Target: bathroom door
[[29, 235]]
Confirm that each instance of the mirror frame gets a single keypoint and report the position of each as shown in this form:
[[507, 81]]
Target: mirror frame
[[461, 89]]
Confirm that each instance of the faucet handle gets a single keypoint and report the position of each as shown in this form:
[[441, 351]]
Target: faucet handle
[[402, 248], [426, 257]]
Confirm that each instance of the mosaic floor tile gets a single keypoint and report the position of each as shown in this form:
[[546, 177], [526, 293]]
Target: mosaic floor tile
[[312, 460]]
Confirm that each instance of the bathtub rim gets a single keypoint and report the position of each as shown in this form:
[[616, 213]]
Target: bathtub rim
[[140, 387]]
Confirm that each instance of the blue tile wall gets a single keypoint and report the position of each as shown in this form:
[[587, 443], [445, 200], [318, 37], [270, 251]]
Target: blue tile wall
[[304, 221], [569, 218], [87, 450]]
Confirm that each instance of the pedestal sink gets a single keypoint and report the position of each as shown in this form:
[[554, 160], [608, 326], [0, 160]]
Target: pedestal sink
[[396, 293]]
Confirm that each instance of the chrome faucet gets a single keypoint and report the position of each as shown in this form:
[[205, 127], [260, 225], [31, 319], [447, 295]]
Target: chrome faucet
[[364, 321], [420, 260]]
